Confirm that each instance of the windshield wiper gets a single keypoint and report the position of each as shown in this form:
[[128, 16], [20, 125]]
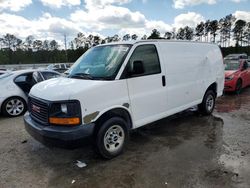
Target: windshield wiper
[[81, 76], [88, 76]]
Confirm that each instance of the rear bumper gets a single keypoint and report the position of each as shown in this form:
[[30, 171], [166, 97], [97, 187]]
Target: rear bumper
[[59, 136]]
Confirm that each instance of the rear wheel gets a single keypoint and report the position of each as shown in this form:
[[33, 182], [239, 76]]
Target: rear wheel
[[238, 87], [208, 103], [112, 137], [14, 106]]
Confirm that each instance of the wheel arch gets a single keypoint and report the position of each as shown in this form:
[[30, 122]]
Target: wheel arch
[[240, 80], [121, 112], [213, 87], [15, 96]]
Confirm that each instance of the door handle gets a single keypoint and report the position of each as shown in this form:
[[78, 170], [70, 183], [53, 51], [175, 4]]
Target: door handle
[[163, 81]]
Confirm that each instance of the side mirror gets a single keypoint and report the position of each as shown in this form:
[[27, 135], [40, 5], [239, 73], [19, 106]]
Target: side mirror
[[244, 67], [138, 68]]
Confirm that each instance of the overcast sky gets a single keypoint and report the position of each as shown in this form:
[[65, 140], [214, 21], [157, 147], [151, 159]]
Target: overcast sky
[[51, 19]]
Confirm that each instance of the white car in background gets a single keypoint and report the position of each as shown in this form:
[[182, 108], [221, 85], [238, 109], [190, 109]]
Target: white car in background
[[2, 72], [59, 67], [15, 87]]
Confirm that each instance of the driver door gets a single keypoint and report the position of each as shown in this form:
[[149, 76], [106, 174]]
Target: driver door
[[147, 91]]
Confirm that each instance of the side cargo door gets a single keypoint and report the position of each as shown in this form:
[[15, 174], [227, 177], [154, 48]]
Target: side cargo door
[[147, 90]]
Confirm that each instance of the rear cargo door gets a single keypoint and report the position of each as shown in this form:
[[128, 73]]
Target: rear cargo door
[[147, 91]]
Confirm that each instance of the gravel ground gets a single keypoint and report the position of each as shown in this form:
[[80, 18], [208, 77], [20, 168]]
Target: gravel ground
[[185, 150]]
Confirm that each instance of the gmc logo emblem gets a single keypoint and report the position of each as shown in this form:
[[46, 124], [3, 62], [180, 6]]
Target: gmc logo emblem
[[35, 108]]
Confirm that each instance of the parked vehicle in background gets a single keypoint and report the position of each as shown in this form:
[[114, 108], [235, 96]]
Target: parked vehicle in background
[[113, 88], [15, 86], [237, 75], [59, 67], [2, 72], [236, 57]]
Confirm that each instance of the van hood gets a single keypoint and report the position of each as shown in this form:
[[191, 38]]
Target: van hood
[[62, 88], [230, 72]]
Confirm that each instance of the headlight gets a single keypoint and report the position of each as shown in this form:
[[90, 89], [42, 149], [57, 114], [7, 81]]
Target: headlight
[[229, 78], [65, 113]]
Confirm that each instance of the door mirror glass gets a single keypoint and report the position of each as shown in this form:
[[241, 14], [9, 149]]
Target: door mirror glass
[[137, 68]]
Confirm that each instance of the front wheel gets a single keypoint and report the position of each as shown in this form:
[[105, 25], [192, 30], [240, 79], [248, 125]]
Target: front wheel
[[112, 137], [208, 103], [238, 87]]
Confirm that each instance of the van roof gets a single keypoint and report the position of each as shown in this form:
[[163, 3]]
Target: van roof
[[132, 42]]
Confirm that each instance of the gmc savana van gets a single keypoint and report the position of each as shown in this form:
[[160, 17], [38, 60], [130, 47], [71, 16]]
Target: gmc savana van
[[113, 88]]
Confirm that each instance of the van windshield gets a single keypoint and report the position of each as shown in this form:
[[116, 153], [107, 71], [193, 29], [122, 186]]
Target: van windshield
[[101, 62]]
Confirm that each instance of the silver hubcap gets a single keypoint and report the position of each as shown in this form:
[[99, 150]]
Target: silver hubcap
[[114, 138], [210, 103], [14, 107]]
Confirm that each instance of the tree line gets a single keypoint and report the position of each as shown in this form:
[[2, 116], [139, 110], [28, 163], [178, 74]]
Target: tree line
[[231, 34]]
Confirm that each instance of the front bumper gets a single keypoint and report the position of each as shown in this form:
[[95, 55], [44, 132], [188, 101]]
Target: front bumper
[[59, 136], [229, 85], [1, 102]]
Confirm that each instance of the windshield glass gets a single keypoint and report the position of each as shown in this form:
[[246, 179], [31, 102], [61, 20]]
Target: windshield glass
[[232, 57], [232, 65], [235, 57], [101, 62]]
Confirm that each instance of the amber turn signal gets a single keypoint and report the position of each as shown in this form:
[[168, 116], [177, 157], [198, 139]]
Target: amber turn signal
[[64, 121]]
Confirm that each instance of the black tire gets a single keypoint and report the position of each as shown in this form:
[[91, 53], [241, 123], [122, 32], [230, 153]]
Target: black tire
[[18, 108], [238, 86], [208, 103], [105, 140]]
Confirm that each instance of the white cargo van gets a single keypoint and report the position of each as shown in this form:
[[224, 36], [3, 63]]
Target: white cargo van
[[113, 88]]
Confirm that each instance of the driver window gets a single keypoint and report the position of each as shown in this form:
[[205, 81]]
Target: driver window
[[149, 56]]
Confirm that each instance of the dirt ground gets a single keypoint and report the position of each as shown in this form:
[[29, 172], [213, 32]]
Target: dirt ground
[[185, 150]]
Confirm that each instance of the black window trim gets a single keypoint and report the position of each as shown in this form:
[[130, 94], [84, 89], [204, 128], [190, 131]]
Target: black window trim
[[124, 76]]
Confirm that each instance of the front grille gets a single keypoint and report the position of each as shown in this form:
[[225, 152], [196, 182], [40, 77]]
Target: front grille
[[38, 110]]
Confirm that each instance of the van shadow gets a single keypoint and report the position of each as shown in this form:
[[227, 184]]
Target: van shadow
[[176, 129]]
